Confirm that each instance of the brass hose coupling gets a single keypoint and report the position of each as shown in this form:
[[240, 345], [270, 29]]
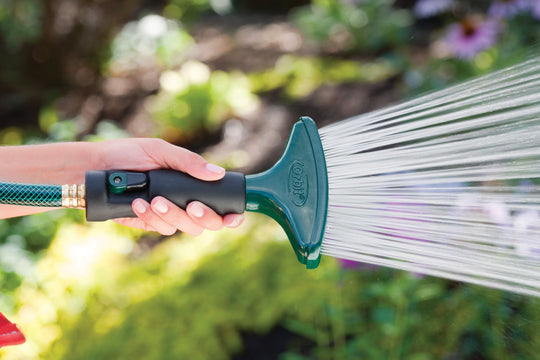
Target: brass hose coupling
[[74, 196]]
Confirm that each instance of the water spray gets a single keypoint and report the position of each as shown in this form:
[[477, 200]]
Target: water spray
[[447, 184]]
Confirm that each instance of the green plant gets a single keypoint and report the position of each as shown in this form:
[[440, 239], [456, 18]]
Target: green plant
[[23, 242], [221, 289], [500, 34], [355, 26], [300, 76], [186, 10], [153, 39], [194, 99], [20, 21]]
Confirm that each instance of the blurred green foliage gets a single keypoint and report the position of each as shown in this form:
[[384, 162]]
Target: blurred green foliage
[[440, 73], [151, 38], [356, 26], [194, 99], [221, 291], [517, 40], [20, 21], [186, 10], [300, 76], [22, 242]]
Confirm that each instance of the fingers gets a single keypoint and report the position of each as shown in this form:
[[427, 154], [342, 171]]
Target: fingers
[[204, 216], [174, 157], [166, 218], [134, 223], [152, 220], [207, 218], [172, 214], [233, 220]]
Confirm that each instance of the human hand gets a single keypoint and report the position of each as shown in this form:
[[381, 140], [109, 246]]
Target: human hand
[[161, 215]]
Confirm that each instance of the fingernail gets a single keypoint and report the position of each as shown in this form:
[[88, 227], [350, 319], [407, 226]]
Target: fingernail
[[196, 210], [139, 207], [214, 168], [161, 207], [235, 222]]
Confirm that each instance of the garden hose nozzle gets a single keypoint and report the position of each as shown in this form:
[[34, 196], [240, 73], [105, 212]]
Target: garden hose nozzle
[[294, 192]]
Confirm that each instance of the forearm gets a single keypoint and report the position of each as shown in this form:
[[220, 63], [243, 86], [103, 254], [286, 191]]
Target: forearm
[[62, 163]]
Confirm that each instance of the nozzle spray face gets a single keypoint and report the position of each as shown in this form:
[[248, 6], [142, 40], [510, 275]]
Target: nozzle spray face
[[294, 192]]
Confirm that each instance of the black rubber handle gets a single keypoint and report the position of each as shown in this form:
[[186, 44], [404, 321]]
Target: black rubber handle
[[105, 200]]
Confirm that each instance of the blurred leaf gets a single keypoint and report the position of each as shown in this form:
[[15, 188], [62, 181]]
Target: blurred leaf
[[192, 100], [107, 130], [359, 26], [20, 22], [186, 10], [151, 39], [300, 76]]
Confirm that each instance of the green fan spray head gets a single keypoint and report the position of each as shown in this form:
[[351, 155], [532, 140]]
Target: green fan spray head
[[294, 192]]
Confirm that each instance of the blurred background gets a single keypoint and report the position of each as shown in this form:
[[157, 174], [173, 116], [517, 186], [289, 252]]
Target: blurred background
[[228, 78]]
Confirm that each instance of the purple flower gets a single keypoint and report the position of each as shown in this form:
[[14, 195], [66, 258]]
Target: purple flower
[[470, 36], [356, 265], [508, 8], [536, 9], [428, 8]]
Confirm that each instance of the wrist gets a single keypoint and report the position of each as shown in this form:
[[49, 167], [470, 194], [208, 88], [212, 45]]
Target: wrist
[[96, 155], [73, 160]]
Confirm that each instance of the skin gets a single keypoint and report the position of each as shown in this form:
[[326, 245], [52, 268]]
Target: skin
[[66, 163]]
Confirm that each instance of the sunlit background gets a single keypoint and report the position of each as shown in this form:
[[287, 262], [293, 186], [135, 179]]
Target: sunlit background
[[227, 78]]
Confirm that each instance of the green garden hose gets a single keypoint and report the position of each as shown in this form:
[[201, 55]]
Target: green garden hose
[[68, 196]]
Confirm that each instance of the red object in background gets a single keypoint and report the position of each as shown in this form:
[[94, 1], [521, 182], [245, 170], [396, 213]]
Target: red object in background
[[9, 333]]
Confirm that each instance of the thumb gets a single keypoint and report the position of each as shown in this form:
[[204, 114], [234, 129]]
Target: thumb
[[204, 170], [177, 158]]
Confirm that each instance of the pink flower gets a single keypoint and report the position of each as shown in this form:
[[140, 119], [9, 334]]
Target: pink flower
[[470, 36], [508, 8], [428, 8]]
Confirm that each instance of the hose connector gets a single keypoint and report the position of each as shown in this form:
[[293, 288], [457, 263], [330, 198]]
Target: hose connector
[[74, 196]]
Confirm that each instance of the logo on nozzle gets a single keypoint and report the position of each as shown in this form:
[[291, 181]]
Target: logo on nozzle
[[298, 183]]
